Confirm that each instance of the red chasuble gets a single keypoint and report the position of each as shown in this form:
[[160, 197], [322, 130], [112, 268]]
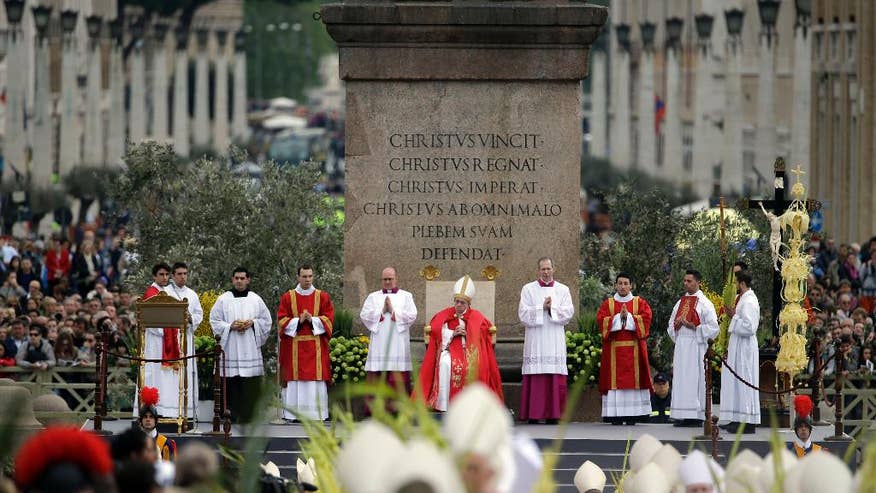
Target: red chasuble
[[624, 364], [170, 341], [478, 350], [305, 356]]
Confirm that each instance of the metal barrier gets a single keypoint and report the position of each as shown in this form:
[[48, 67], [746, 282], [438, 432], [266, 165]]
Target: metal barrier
[[77, 384]]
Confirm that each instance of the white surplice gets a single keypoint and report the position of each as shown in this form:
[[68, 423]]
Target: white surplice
[[243, 353], [544, 346], [197, 315], [308, 397], [390, 345], [739, 402], [688, 383]]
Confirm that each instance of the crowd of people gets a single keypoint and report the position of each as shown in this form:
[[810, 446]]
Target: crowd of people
[[56, 293], [842, 296]]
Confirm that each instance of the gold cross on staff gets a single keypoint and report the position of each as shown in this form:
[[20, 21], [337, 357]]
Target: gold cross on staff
[[798, 171]]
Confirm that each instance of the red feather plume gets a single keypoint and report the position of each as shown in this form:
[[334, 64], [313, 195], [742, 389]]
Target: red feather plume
[[59, 445], [148, 396], [803, 406]]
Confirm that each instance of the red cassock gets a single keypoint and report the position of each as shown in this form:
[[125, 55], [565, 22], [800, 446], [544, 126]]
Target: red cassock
[[305, 356], [624, 352], [478, 348], [170, 341]]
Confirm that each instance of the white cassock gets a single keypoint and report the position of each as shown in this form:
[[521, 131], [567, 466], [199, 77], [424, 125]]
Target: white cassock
[[739, 402], [390, 345], [689, 380], [544, 346], [243, 353], [197, 315], [164, 378]]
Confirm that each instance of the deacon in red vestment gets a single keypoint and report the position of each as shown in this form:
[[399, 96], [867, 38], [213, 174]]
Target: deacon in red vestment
[[460, 349], [161, 343], [624, 373], [305, 317]]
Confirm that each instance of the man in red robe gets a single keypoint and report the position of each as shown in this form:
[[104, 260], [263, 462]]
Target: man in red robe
[[305, 317], [624, 373], [162, 343], [460, 348]]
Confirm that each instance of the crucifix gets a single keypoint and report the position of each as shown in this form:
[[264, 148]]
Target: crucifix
[[777, 206]]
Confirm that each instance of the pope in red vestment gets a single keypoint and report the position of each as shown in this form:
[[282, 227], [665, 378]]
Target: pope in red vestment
[[624, 374], [468, 347], [305, 356]]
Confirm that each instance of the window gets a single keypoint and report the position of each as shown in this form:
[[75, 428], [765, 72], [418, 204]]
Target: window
[[687, 148], [749, 171], [850, 45], [819, 46], [834, 45]]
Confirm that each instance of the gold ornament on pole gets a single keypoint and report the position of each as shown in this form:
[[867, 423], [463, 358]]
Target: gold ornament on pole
[[795, 269]]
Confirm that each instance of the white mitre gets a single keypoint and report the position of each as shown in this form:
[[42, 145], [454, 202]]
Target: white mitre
[[742, 473], [824, 472], [643, 450], [767, 476], [589, 477], [649, 479], [464, 289], [528, 462], [698, 468], [669, 460], [477, 422], [419, 461], [365, 457]]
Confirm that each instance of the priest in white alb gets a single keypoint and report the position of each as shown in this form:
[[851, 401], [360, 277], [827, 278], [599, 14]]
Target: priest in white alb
[[178, 289], [388, 315], [545, 309], [740, 404], [692, 323], [242, 321]]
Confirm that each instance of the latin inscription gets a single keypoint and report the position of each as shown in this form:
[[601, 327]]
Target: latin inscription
[[464, 194]]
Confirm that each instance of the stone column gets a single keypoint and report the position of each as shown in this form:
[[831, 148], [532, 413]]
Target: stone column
[[42, 166], [701, 179], [159, 84], [117, 131], [15, 135], [137, 113], [766, 140], [220, 97], [239, 129], [732, 172], [501, 84], [94, 139], [647, 152], [672, 149], [800, 137], [599, 105], [202, 110], [70, 150], [181, 144], [621, 138]]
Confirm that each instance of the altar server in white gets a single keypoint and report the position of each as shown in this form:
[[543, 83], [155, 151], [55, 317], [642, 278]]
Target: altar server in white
[[740, 404]]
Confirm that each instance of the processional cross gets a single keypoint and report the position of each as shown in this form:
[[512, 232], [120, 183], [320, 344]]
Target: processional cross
[[777, 206]]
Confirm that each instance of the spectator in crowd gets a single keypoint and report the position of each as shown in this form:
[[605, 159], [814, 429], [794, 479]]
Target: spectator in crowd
[[65, 351], [11, 288], [87, 267], [27, 273], [37, 353], [865, 364], [5, 358], [17, 336], [868, 282]]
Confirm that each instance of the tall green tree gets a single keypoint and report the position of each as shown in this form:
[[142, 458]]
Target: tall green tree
[[214, 219]]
